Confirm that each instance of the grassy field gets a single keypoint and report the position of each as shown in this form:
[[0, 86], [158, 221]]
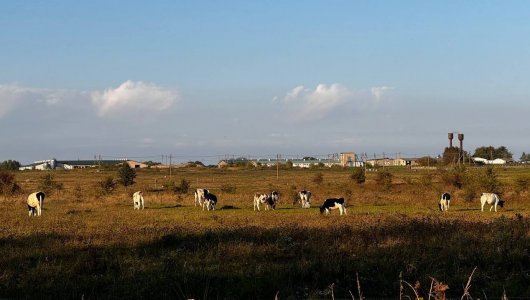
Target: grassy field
[[88, 245]]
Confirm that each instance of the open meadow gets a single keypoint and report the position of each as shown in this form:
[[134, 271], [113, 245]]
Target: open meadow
[[88, 244]]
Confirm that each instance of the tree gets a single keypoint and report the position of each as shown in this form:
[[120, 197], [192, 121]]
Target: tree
[[358, 175], [8, 185], [10, 165], [126, 175], [525, 157], [451, 155], [491, 153]]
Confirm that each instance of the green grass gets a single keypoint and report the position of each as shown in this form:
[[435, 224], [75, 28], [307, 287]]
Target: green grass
[[99, 247]]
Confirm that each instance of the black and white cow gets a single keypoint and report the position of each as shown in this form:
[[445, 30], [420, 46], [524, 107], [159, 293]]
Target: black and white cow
[[35, 203], [492, 199], [333, 203], [275, 197], [444, 201], [199, 196], [305, 198], [260, 198], [210, 201]]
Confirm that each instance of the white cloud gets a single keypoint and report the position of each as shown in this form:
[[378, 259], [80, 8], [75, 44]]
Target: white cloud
[[13, 96], [315, 104], [133, 96], [378, 93]]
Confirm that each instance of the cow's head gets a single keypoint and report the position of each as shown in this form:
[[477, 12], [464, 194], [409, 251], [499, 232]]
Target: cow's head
[[501, 203]]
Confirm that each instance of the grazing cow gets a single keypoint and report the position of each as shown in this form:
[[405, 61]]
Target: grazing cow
[[138, 200], [199, 196], [305, 198], [492, 199], [444, 202], [275, 197], [333, 203], [35, 203], [260, 198], [210, 201]]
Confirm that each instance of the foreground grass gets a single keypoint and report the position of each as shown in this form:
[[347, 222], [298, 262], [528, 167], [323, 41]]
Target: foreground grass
[[101, 248]]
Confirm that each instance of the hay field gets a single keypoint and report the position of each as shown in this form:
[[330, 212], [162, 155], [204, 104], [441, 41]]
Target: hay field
[[87, 245]]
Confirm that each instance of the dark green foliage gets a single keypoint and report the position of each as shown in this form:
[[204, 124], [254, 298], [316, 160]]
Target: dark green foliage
[[522, 183], [454, 177], [451, 155], [107, 185], [525, 157], [182, 188], [48, 184], [358, 175], [490, 152], [10, 165], [8, 184], [489, 181], [384, 180], [126, 175]]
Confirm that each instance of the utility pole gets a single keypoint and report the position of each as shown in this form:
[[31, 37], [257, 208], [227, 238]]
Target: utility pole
[[277, 166], [170, 166]]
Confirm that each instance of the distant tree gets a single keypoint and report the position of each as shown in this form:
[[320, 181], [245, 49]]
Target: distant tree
[[151, 163], [8, 184], [525, 157], [126, 175], [490, 152], [451, 155], [10, 165], [384, 180], [107, 185], [427, 161], [309, 158]]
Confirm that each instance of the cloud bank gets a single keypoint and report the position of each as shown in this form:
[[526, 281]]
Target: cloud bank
[[133, 96], [311, 104], [13, 96]]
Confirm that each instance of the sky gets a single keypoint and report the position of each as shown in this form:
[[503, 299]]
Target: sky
[[202, 80]]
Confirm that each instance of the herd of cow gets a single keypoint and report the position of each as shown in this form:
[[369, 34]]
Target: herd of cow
[[205, 199]]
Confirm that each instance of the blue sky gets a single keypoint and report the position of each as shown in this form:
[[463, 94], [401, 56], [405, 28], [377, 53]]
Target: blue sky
[[203, 79]]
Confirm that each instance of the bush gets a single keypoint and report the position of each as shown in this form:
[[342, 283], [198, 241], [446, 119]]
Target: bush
[[426, 180], [183, 188], [384, 179], [8, 185], [126, 175], [318, 178], [107, 185], [358, 175], [522, 184], [227, 188], [489, 181], [48, 185], [454, 177]]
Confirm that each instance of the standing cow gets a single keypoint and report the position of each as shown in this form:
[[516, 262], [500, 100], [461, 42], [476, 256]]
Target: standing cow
[[138, 200], [305, 198], [492, 199], [35, 203], [444, 202], [199, 196]]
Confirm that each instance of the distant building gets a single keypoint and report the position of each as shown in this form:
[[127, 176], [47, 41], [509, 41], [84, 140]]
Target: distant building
[[497, 161], [53, 164], [393, 162], [350, 159]]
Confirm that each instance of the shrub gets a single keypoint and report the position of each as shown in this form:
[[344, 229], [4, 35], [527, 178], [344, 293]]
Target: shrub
[[48, 185], [454, 177], [318, 178], [358, 175], [426, 180], [384, 179], [107, 185], [227, 188], [489, 181], [126, 175], [182, 188], [8, 185], [522, 184]]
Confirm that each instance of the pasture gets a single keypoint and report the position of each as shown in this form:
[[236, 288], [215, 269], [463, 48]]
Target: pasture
[[89, 245]]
